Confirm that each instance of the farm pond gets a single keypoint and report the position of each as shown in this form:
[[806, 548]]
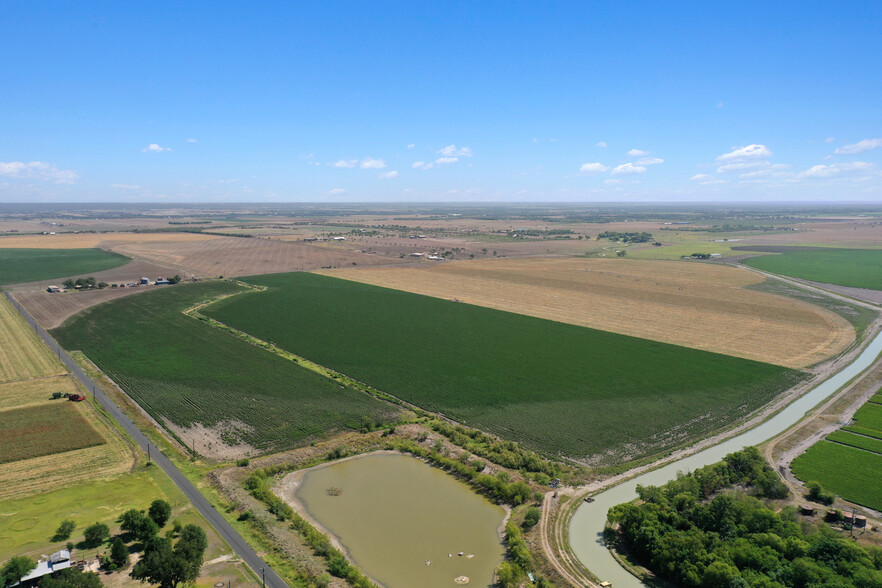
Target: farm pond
[[403, 522]]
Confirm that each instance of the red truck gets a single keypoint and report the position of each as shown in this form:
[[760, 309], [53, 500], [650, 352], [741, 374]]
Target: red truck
[[76, 397]]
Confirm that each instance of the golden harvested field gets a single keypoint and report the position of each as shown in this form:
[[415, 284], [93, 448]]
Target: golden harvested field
[[29, 374], [103, 240], [234, 256], [33, 392], [696, 305], [22, 354]]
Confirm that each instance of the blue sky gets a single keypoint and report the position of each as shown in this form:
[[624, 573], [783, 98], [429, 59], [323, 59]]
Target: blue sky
[[440, 101]]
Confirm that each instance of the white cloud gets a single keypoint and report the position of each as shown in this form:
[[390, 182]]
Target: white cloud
[[125, 186], [745, 153], [192, 141], [443, 160], [371, 163], [741, 166], [699, 177], [40, 170], [706, 179], [154, 148], [411, 145], [829, 139], [422, 165], [336, 191], [837, 169], [452, 151], [612, 182], [650, 161], [388, 175], [600, 144], [593, 168], [859, 147], [344, 163], [628, 168], [637, 153]]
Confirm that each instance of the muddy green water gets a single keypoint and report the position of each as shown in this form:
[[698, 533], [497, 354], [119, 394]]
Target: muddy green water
[[395, 513]]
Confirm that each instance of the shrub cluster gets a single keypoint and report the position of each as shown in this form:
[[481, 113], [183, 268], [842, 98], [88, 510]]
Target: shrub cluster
[[499, 487], [698, 530]]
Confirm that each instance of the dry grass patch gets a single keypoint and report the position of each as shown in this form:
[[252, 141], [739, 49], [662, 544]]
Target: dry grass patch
[[696, 305], [33, 392], [22, 354]]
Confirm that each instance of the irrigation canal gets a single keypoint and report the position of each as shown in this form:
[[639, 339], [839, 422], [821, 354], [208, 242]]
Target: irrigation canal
[[215, 519], [586, 526]]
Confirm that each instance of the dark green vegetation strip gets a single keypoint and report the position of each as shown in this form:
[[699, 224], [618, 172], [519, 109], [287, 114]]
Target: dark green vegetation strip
[[46, 429], [851, 473], [858, 268], [183, 370], [558, 388], [869, 416], [859, 316], [30, 265], [698, 530], [854, 440], [876, 398], [864, 431]]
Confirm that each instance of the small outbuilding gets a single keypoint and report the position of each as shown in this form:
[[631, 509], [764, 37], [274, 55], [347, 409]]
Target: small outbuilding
[[53, 289], [58, 561]]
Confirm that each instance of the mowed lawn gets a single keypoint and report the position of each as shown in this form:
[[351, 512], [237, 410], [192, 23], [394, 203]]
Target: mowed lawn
[[183, 370], [849, 461], [559, 388], [858, 268], [31, 265], [45, 429]]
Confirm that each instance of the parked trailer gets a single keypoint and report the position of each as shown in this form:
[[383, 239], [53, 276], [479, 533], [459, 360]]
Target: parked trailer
[[76, 397]]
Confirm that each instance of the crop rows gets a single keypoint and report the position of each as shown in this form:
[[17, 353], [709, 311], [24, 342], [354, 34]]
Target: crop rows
[[858, 268], [34, 431], [188, 374], [854, 440], [559, 388], [30, 265]]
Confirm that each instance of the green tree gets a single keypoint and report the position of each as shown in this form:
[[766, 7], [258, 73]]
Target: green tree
[[15, 569], [139, 525], [159, 511], [532, 517], [64, 530], [167, 566], [72, 578], [96, 534], [119, 553], [69, 284]]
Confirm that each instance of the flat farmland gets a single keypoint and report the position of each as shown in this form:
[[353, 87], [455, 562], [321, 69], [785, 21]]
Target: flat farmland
[[701, 306], [90, 240], [561, 389], [233, 256], [856, 268], [35, 391], [28, 265], [849, 461], [46, 429], [216, 392], [50, 310], [22, 353]]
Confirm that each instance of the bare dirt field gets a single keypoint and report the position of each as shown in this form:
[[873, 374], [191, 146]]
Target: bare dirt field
[[234, 256], [23, 355], [695, 305], [51, 310]]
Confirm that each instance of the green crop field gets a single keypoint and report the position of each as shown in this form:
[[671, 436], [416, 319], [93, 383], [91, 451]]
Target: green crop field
[[30, 265], [858, 268], [851, 473], [854, 440], [33, 431], [863, 431], [183, 370], [559, 388], [876, 398], [869, 416]]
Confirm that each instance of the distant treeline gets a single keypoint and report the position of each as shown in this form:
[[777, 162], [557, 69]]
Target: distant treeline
[[626, 237]]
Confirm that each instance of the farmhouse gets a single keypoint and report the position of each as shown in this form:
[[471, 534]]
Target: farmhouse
[[56, 562], [417, 254], [53, 289]]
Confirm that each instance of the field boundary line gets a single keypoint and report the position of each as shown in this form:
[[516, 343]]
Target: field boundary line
[[214, 518], [333, 375]]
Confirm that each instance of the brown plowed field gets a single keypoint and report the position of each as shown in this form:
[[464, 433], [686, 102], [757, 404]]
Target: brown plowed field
[[695, 305], [234, 256], [130, 272], [51, 310], [102, 240]]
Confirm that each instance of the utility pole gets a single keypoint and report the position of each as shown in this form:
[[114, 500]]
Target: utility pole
[[263, 576]]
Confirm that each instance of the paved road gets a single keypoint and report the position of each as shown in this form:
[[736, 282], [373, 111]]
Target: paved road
[[242, 549]]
